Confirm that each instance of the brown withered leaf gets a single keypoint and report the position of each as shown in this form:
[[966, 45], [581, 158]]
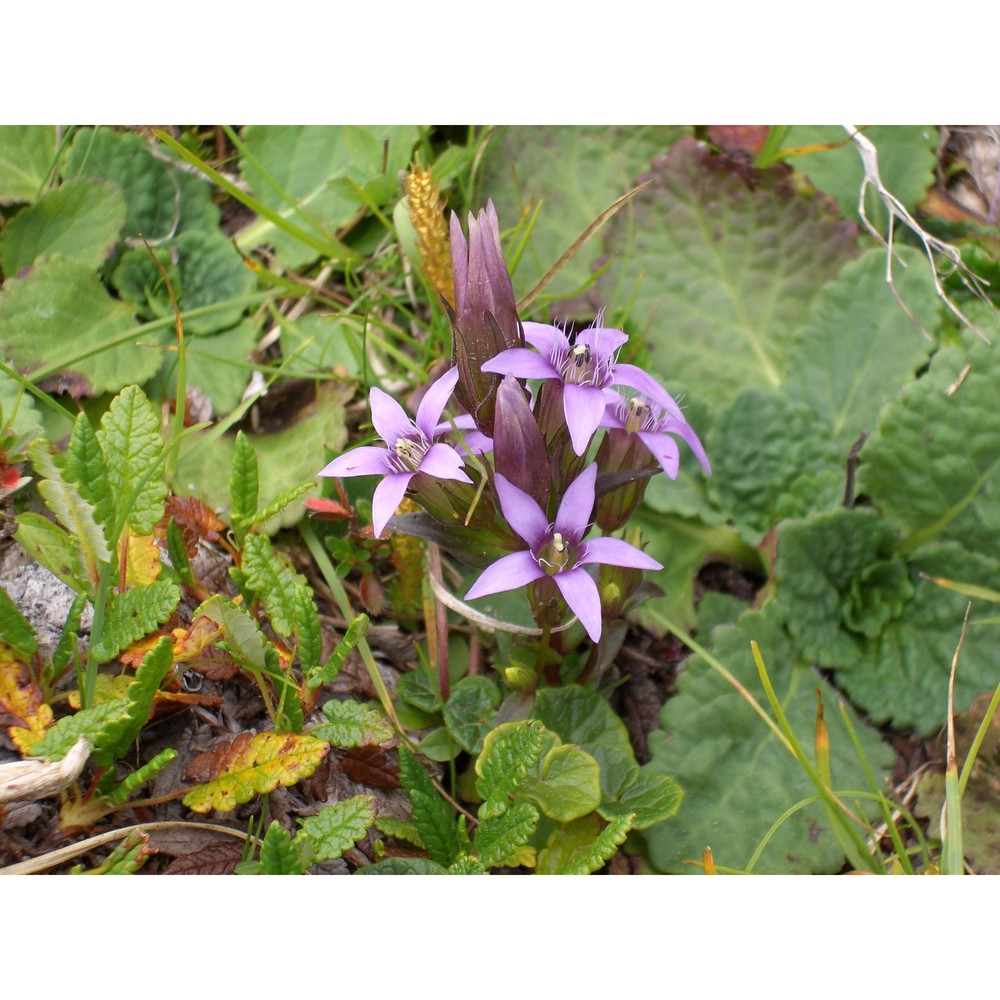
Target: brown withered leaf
[[209, 764], [195, 519], [371, 766], [214, 859]]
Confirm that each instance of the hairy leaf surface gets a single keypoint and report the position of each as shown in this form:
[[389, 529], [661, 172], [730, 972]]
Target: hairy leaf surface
[[134, 613]]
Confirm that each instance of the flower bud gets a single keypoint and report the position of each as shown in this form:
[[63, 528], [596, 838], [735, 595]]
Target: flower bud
[[518, 448]]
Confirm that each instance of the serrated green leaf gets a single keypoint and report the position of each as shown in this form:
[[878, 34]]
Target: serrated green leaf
[[55, 550], [256, 767], [431, 814], [271, 579], [906, 156], [470, 711], [309, 638], [583, 717], [80, 220], [287, 456], [87, 468], [278, 855], [859, 349], [420, 689], [569, 785], [204, 270], [336, 828], [467, 866], [89, 722], [650, 799], [723, 271], [737, 777], [439, 745], [326, 673], [305, 161], [61, 310], [401, 829], [573, 173], [177, 554], [14, 627], [76, 515], [133, 449], [27, 153], [352, 724], [244, 485], [403, 866], [934, 466], [771, 459], [140, 776], [282, 500], [572, 854], [510, 751], [161, 199], [134, 614], [118, 734], [498, 837], [126, 859], [244, 639]]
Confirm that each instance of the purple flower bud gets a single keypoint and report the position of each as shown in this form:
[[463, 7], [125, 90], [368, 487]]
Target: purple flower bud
[[518, 448]]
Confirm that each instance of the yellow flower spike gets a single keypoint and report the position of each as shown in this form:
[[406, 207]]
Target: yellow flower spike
[[426, 207]]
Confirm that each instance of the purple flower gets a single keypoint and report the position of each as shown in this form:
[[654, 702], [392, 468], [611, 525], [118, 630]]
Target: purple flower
[[585, 367], [410, 449], [558, 550], [645, 418]]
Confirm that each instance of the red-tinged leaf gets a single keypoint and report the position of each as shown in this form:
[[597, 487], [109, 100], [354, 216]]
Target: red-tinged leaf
[[747, 139], [214, 859], [195, 519], [327, 510], [371, 594], [252, 764], [22, 698], [371, 766]]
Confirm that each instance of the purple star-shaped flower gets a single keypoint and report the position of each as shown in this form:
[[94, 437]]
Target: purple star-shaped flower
[[643, 416], [585, 366], [410, 449], [558, 550]]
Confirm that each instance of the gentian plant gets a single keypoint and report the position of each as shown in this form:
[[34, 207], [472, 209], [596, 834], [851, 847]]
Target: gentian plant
[[525, 507]]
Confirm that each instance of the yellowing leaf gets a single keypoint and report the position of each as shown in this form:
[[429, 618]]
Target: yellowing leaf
[[252, 765], [142, 558], [22, 698]]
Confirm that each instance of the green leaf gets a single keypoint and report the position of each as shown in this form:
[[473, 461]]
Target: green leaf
[[321, 343], [118, 734], [309, 638], [67, 646], [87, 469], [305, 161], [650, 799], [244, 486], [80, 220], [579, 849], [282, 500], [336, 828], [161, 199], [403, 866], [439, 745], [89, 722], [14, 627], [134, 614], [61, 310], [329, 670], [573, 173], [257, 765], [243, 637], [17, 407], [420, 689], [470, 711], [583, 717], [133, 448], [737, 777], [498, 837], [431, 814], [859, 349], [568, 786], [126, 859], [27, 153], [289, 455], [510, 751], [906, 157], [272, 580], [771, 460], [278, 855], [934, 466], [140, 776], [218, 365], [203, 269], [352, 724], [723, 271], [76, 515], [55, 550]]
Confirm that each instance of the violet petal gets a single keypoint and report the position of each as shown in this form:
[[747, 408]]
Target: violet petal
[[684, 430], [508, 573], [387, 497], [580, 593], [615, 552], [636, 378], [388, 417], [521, 363], [522, 512], [664, 449], [584, 407], [545, 338], [577, 504], [366, 461], [444, 462], [434, 401], [602, 341]]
